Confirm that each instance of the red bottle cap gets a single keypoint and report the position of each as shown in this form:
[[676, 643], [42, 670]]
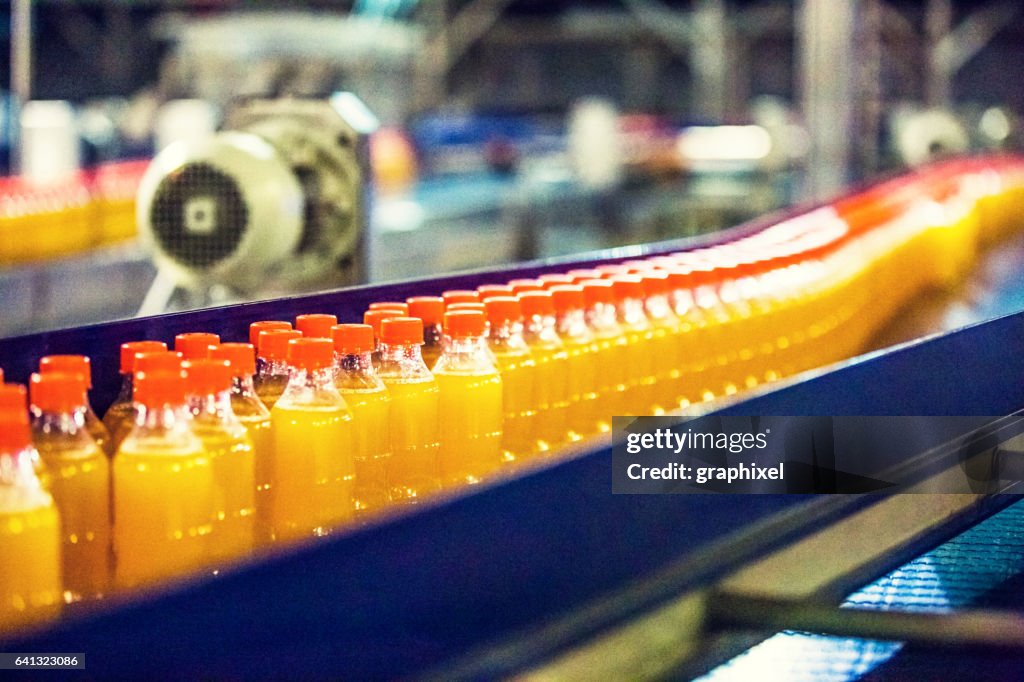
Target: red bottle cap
[[315, 326], [242, 357], [520, 286], [612, 269], [350, 339], [159, 361], [195, 345], [57, 391], [597, 291], [627, 287], [14, 432], [1, 375], [556, 279], [537, 303], [207, 376], [374, 318], [402, 331], [567, 298], [273, 343], [459, 296], [430, 309], [263, 326], [460, 324], [394, 306], [159, 388], [66, 364], [479, 307], [655, 283], [487, 291], [503, 309], [311, 354], [128, 351]]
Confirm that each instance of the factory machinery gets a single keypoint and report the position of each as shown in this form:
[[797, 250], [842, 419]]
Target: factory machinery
[[543, 572]]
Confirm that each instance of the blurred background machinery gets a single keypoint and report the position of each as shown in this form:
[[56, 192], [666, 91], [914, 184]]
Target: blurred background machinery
[[511, 129]]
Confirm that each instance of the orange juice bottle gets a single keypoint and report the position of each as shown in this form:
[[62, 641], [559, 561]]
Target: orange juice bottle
[[459, 296], [629, 306], [80, 364], [469, 402], [393, 306], [230, 451], [368, 398], [121, 413], [150, 361], [413, 469], [613, 353], [196, 345], [551, 388], [665, 330], [272, 364], [77, 474], [373, 319], [30, 534], [314, 468], [582, 348], [255, 417], [518, 374], [430, 310], [315, 326], [163, 487]]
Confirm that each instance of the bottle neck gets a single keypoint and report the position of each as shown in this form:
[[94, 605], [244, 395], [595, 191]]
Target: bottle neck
[[541, 328], [212, 407], [125, 395], [658, 307], [69, 424], [152, 420], [271, 368], [317, 378], [508, 335], [465, 345], [244, 387], [602, 317], [400, 352], [355, 364], [17, 468], [573, 325]]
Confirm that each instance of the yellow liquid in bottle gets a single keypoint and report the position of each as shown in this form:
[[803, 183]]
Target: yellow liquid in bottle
[[470, 415], [163, 497], [583, 372], [551, 391], [518, 373], [30, 571], [263, 459], [79, 480], [234, 490], [641, 349], [371, 446], [313, 470], [413, 469]]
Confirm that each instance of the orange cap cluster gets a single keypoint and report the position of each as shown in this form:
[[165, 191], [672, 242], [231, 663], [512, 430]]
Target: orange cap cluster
[[256, 328], [460, 324], [195, 345], [459, 296], [395, 306], [161, 360], [242, 357], [521, 286], [487, 291], [374, 318], [351, 339], [316, 326], [132, 348], [57, 391], [555, 279]]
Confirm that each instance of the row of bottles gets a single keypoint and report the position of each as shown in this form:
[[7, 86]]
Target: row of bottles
[[213, 450]]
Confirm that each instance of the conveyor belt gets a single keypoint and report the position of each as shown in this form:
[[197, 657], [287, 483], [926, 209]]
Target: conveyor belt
[[982, 568]]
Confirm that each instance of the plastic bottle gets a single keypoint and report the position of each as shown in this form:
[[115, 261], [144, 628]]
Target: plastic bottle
[[469, 402], [551, 389], [121, 413], [518, 374], [665, 331], [272, 364], [30, 535], [196, 345], [80, 364], [231, 454], [430, 310], [582, 348], [413, 470], [314, 469], [315, 326], [629, 306], [77, 474], [613, 351], [163, 488], [370, 403], [147, 361]]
